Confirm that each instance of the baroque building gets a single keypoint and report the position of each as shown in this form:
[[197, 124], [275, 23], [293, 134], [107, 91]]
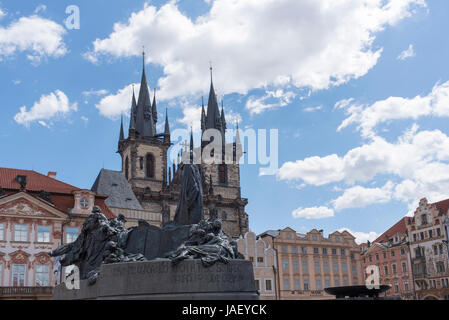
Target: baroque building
[[155, 183], [309, 263], [429, 250], [390, 252], [38, 213]]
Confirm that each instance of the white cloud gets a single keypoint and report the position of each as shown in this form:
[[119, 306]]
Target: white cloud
[[257, 105], [114, 105], [39, 8], [409, 53], [85, 119], [17, 82], [38, 36], [361, 237], [92, 92], [313, 109], [257, 43], [418, 158], [436, 103], [2, 13], [49, 107], [313, 213], [359, 197]]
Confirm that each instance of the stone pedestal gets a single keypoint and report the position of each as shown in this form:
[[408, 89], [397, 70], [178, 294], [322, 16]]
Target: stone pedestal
[[160, 280]]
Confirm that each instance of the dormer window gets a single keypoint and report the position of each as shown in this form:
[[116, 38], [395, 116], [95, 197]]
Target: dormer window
[[424, 219], [84, 203]]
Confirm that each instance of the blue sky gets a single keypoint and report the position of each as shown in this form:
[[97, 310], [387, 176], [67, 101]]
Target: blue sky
[[358, 90]]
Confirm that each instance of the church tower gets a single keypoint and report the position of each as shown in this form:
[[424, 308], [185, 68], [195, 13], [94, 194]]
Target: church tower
[[144, 152]]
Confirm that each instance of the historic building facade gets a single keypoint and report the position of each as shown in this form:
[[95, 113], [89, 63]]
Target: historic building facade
[[155, 182], [263, 258], [37, 214], [309, 263], [429, 250], [390, 253]]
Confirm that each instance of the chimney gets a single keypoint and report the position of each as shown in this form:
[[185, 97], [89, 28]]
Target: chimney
[[51, 174]]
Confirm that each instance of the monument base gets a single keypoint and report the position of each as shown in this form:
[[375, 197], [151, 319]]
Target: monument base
[[161, 280]]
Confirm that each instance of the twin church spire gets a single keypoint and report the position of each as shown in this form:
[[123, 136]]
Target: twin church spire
[[144, 116]]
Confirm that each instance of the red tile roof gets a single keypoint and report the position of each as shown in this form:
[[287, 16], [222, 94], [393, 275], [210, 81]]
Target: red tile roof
[[398, 228], [61, 193], [443, 206], [35, 182]]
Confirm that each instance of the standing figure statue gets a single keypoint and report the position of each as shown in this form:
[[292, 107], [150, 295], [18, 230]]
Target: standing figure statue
[[190, 207]]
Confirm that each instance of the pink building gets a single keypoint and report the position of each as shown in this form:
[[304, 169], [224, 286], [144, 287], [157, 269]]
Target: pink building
[[391, 254]]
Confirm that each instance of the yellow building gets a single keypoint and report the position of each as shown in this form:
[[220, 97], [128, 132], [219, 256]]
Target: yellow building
[[263, 258], [309, 263]]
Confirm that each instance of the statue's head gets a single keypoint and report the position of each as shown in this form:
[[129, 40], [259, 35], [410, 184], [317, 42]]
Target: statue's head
[[96, 209], [216, 224], [121, 218]]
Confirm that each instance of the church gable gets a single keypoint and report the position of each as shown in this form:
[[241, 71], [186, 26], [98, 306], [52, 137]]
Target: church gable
[[22, 204]]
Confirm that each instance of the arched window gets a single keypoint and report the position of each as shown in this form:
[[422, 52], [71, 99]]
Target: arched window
[[222, 174], [150, 165], [127, 168]]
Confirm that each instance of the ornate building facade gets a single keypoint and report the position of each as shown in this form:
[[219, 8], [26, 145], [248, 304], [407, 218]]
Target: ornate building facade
[[309, 263], [429, 250], [37, 214], [391, 254], [155, 182]]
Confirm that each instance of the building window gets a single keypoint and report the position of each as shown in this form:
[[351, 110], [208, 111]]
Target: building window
[[316, 250], [42, 275], [71, 234], [317, 266], [393, 253], [251, 259], [257, 283], [440, 266], [304, 250], [150, 165], [43, 234], [354, 269], [260, 259], [334, 252], [406, 286], [288, 236], [2, 231], [18, 275], [325, 251], [402, 251], [343, 252], [335, 266], [296, 284], [424, 219], [21, 232], [414, 237], [286, 284], [284, 249], [141, 163], [438, 232], [430, 233], [268, 286], [305, 266], [84, 203], [393, 266], [222, 176], [441, 248], [319, 285], [344, 267], [337, 282], [327, 283], [386, 270], [127, 168], [404, 267], [422, 235], [314, 237], [306, 285], [294, 249], [285, 264], [345, 282], [295, 265], [337, 239], [326, 266], [435, 250], [377, 257]]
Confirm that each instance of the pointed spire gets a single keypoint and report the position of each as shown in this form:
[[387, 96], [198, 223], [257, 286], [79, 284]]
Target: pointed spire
[[169, 175], [167, 128], [237, 145], [203, 115], [223, 119], [122, 133], [154, 108], [144, 120], [213, 113], [191, 145], [132, 120]]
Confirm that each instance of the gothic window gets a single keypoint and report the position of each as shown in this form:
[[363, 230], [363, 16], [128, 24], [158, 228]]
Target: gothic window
[[141, 163], [150, 166], [127, 168], [222, 173]]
